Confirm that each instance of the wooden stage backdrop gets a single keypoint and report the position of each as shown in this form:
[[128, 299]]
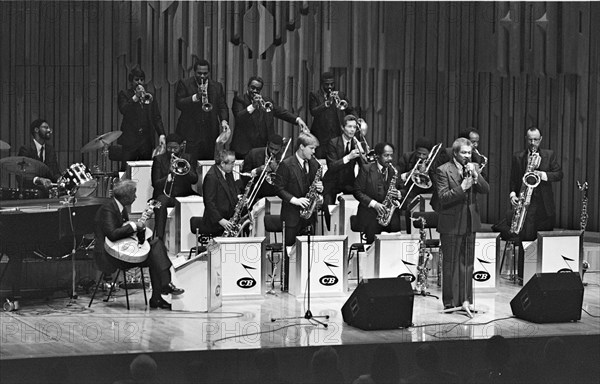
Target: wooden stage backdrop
[[414, 69]]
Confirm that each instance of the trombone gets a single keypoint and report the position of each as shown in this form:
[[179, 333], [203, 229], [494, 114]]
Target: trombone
[[202, 87], [267, 106], [419, 175], [179, 167], [334, 98], [266, 174]]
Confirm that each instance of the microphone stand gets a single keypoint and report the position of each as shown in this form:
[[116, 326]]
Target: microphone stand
[[308, 314]]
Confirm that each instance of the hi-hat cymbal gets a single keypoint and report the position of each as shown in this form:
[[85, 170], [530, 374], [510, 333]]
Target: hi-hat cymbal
[[4, 145], [100, 141], [22, 165]]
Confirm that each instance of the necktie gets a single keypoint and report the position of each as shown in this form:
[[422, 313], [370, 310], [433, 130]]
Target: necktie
[[125, 215], [42, 153], [384, 172], [347, 147], [306, 166]]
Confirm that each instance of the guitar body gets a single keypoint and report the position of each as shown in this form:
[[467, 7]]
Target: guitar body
[[129, 249]]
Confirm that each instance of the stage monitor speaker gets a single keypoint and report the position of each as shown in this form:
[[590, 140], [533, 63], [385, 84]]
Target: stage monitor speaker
[[380, 304], [550, 298]]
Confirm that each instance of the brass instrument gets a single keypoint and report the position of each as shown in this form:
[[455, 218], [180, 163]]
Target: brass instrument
[[334, 98], [419, 175], [179, 167], [530, 181], [369, 153], [267, 106], [485, 160], [424, 257], [390, 203], [203, 90], [315, 198], [146, 97]]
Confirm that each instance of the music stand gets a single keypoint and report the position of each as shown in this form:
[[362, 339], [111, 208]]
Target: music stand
[[308, 314]]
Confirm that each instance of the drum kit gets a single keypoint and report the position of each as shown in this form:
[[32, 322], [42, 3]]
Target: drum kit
[[75, 181]]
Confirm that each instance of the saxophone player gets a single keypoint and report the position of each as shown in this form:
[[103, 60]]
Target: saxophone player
[[220, 194], [372, 186], [541, 212], [458, 183]]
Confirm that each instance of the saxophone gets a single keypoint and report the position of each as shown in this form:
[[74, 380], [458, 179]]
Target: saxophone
[[530, 181], [424, 257], [239, 221], [390, 203], [316, 199]]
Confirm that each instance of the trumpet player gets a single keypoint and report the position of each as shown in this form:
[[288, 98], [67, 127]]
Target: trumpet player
[[260, 158], [328, 112], [204, 112], [170, 179], [141, 119], [541, 212], [254, 118]]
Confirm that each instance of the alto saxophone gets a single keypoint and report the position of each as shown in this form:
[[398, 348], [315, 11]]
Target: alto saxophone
[[315, 198], [390, 203], [239, 221], [530, 181]]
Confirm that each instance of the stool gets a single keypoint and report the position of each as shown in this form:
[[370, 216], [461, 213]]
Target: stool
[[273, 224], [203, 235], [104, 274], [512, 244], [356, 247]]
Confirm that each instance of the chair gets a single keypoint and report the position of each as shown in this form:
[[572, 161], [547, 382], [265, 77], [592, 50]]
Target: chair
[[124, 270], [203, 235], [431, 221], [273, 224], [355, 226]]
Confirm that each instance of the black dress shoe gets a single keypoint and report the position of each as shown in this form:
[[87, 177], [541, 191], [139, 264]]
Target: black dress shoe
[[160, 303], [448, 306], [171, 289]]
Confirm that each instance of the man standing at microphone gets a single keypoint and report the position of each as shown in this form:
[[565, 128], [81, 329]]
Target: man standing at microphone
[[458, 183]]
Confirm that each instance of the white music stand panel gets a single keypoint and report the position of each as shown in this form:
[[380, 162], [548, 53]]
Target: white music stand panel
[[242, 265], [530, 249], [186, 208], [396, 254], [201, 278], [348, 206], [140, 172], [485, 270], [560, 251], [273, 205], [329, 270]]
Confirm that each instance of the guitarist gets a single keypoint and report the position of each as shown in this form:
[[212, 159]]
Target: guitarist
[[112, 221]]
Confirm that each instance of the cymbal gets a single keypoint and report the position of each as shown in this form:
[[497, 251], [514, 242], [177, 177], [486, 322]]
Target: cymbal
[[100, 141], [4, 145], [22, 165]]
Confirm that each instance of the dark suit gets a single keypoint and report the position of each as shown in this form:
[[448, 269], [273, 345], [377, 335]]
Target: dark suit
[[254, 159], [182, 186], [327, 121], [50, 160], [109, 223], [220, 198], [458, 221], [339, 177], [292, 181], [139, 122], [253, 130], [200, 128], [371, 185]]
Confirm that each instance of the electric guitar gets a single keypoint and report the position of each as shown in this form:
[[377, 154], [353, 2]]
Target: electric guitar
[[129, 249]]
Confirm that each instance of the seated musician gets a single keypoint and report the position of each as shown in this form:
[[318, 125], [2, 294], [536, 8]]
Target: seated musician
[[342, 156], [371, 187], [112, 221], [167, 183], [220, 194], [40, 149], [255, 163]]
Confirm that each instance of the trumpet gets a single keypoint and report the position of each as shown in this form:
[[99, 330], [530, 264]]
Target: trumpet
[[419, 174], [267, 106], [202, 89], [334, 98], [179, 167], [145, 97]]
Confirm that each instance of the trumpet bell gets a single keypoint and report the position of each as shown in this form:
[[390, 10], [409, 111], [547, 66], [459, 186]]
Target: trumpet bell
[[207, 107], [268, 106], [342, 105]]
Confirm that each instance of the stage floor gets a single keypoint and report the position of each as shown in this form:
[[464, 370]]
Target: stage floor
[[64, 327]]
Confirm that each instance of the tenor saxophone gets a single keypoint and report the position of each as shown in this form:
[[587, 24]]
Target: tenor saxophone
[[390, 203], [315, 198]]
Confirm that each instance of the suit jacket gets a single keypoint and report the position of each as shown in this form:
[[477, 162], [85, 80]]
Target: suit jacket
[[291, 181], [161, 167], [109, 223], [327, 121], [219, 198], [194, 124], [370, 185], [253, 130], [135, 116], [338, 173], [455, 205], [51, 161], [543, 192]]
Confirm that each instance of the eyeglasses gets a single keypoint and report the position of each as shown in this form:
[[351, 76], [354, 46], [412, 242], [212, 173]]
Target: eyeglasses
[[252, 87]]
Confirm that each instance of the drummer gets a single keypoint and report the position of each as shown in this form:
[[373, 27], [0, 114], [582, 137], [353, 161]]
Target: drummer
[[41, 149]]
